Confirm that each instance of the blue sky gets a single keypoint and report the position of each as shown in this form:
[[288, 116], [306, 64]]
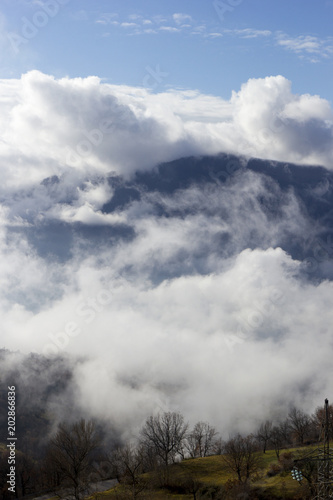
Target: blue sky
[[212, 46]]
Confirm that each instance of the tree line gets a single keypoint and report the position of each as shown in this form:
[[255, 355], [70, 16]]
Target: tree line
[[76, 456]]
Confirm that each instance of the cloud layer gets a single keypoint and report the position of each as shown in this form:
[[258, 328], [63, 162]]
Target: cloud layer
[[49, 126], [184, 299]]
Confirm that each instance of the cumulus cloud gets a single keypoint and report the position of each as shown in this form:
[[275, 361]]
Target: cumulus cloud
[[268, 107], [49, 126], [187, 299]]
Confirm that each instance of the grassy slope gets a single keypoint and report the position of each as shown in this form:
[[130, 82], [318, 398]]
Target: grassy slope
[[211, 471]]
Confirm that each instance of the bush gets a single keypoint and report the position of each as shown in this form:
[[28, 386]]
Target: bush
[[274, 470], [212, 492], [286, 461]]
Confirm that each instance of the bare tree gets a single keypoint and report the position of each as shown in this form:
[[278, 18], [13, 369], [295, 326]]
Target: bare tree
[[300, 424], [276, 439], [264, 434], [128, 467], [218, 446], [285, 432], [318, 419], [26, 473], [200, 442], [241, 457], [70, 456], [165, 434]]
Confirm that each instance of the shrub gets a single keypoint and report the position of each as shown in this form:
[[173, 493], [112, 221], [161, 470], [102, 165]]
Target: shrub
[[274, 470], [286, 461]]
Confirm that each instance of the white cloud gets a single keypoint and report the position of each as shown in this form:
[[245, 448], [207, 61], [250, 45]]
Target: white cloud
[[302, 43], [312, 47], [129, 25], [182, 18], [158, 19], [135, 17], [150, 31], [214, 35], [88, 215], [107, 18], [252, 323], [170, 29], [249, 33], [156, 24], [179, 297], [307, 108], [307, 45], [268, 106], [198, 30], [48, 126]]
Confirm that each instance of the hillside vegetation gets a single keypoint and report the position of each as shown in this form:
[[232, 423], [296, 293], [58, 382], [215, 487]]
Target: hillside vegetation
[[209, 478]]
